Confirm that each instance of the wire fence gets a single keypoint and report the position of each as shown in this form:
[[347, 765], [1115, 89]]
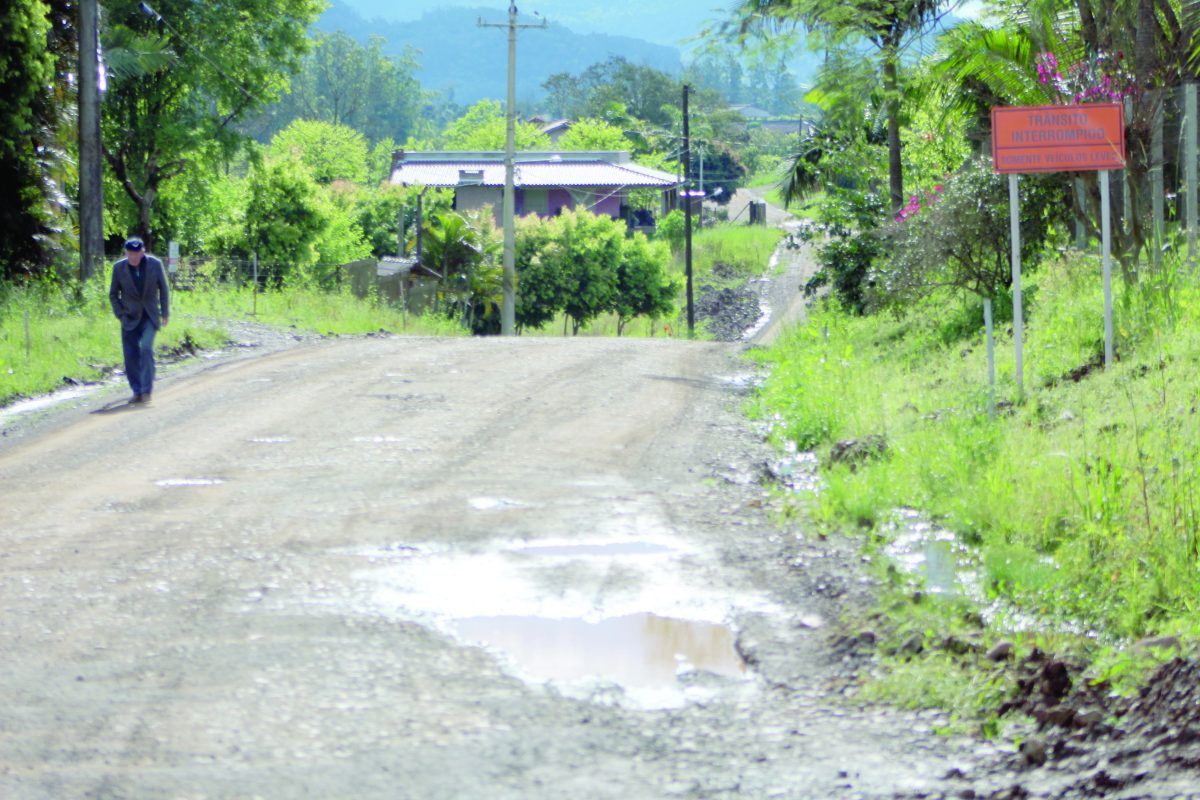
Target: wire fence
[[390, 281]]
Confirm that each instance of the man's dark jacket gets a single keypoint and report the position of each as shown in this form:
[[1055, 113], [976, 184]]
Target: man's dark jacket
[[128, 302]]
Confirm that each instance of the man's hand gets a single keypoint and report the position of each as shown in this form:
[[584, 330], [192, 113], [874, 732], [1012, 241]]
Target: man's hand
[[165, 320]]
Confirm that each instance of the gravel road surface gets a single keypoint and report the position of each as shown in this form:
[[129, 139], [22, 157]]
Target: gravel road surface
[[394, 567]]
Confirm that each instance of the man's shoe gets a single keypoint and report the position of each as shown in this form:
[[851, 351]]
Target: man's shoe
[[138, 399]]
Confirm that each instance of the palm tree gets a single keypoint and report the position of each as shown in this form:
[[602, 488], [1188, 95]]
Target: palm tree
[[889, 25], [472, 281]]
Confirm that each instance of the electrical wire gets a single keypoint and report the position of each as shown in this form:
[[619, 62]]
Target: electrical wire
[[150, 12]]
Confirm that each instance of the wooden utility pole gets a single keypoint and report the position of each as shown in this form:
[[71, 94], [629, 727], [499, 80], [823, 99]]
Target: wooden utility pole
[[508, 304], [91, 200], [687, 214]]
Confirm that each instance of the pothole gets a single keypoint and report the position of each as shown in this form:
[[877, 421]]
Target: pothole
[[639, 652], [631, 621]]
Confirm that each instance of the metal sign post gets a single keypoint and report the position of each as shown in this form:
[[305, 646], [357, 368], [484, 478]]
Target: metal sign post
[[1014, 223], [1079, 138], [1106, 250], [991, 356]]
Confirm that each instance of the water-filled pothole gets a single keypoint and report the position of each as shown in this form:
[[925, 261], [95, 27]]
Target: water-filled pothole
[[633, 621], [636, 651]]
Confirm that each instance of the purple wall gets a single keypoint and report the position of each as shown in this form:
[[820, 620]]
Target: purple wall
[[529, 201], [559, 198]]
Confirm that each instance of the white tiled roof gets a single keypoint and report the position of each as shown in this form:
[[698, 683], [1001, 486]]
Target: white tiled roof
[[424, 169]]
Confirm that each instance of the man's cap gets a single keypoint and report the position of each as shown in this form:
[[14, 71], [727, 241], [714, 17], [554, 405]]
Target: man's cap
[[134, 244]]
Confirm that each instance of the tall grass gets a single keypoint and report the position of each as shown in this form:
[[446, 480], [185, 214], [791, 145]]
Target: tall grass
[[311, 309], [72, 334], [742, 251], [1083, 496]]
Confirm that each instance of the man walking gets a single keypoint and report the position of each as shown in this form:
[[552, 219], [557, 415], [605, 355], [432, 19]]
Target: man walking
[[139, 299]]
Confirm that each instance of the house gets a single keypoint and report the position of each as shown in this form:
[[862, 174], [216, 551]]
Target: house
[[545, 183]]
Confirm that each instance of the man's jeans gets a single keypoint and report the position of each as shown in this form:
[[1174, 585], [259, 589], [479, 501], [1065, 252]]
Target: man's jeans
[[139, 355]]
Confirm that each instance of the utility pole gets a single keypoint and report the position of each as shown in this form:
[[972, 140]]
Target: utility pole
[[508, 305], [687, 216], [91, 202]]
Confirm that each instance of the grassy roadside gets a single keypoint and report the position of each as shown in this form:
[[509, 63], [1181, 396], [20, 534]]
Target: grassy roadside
[[1077, 506], [73, 337]]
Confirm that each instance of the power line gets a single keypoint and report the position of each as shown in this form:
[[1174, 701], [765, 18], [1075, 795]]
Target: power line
[[150, 12]]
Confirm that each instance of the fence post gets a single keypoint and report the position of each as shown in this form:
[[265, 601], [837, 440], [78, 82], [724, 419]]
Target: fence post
[[991, 356], [1156, 176], [255, 311], [1189, 155]]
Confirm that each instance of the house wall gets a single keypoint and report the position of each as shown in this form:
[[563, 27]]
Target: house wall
[[558, 199], [609, 205], [473, 198], [543, 202], [537, 201]]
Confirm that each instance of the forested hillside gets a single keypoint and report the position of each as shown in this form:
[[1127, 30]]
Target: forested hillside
[[465, 62]]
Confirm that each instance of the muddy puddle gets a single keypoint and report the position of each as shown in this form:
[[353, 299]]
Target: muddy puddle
[[622, 621], [932, 554], [651, 658]]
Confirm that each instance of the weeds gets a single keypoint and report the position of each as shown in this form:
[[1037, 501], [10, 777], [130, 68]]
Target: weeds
[[1082, 500]]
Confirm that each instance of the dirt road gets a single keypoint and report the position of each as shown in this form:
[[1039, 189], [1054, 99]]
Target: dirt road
[[415, 568]]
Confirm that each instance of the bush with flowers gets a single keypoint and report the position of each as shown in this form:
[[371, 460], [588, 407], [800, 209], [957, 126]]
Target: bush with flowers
[[1101, 78], [957, 237]]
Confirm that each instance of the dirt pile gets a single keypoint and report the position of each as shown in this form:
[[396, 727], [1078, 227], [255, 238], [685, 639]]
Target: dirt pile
[[1091, 742], [727, 311]]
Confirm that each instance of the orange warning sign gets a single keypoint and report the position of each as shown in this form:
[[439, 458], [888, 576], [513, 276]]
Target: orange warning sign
[[1058, 138]]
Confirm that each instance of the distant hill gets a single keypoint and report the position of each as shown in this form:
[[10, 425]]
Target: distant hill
[[469, 62], [666, 22]]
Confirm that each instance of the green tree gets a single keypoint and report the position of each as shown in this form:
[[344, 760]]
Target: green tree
[[283, 221], [586, 251], [671, 230], [346, 83], [644, 286], [464, 252], [541, 286], [890, 26], [155, 120], [340, 242], [26, 69], [594, 134], [330, 151], [642, 92], [483, 128]]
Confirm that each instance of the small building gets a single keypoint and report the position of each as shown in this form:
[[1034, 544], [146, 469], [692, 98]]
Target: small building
[[399, 279], [749, 112], [556, 128], [545, 183]]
